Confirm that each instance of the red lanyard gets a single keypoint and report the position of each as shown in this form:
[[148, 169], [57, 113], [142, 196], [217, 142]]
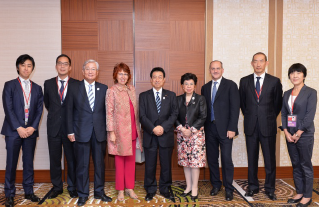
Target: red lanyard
[[292, 102], [258, 95], [61, 95], [26, 99]]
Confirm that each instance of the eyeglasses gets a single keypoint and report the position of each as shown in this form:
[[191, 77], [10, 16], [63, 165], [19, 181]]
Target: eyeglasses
[[63, 63], [90, 69], [123, 74]]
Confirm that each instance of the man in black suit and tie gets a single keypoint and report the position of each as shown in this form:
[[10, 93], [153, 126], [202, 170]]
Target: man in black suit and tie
[[222, 97], [55, 100], [23, 106], [158, 112], [86, 117], [260, 103]]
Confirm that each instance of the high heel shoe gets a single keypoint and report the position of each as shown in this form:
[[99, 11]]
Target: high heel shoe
[[186, 194], [120, 196], [291, 200], [304, 205], [131, 193], [193, 198]]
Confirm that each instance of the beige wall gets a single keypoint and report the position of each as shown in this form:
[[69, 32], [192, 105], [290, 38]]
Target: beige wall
[[301, 45], [32, 27]]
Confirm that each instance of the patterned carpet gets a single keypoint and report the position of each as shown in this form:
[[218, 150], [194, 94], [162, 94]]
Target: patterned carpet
[[284, 190]]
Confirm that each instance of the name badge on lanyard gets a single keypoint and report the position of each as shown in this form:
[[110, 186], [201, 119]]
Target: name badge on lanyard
[[27, 104], [292, 118]]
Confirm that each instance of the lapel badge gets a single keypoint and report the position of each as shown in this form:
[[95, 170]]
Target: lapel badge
[[164, 97], [98, 89]]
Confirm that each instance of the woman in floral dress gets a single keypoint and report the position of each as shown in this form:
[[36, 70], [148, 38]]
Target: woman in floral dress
[[190, 133]]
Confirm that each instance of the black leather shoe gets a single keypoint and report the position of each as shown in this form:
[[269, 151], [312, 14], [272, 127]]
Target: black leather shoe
[[291, 200], [167, 195], [103, 197], [186, 194], [32, 197], [214, 191], [194, 198], [229, 196], [149, 196], [82, 201], [304, 205], [251, 193], [9, 202], [55, 194], [73, 194], [271, 196]]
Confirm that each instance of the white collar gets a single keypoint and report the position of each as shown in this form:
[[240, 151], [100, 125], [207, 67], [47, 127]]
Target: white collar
[[262, 75]]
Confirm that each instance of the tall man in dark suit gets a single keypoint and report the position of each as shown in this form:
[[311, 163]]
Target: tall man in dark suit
[[23, 106], [260, 102], [55, 100], [222, 97], [158, 112], [86, 118]]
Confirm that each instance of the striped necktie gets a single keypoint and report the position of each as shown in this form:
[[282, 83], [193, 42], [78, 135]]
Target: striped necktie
[[212, 114], [158, 102], [91, 97]]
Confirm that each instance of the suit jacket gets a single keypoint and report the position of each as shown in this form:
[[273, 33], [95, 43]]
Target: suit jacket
[[13, 105], [56, 119], [305, 107], [149, 117], [266, 110], [80, 117], [226, 106], [118, 116], [196, 111]]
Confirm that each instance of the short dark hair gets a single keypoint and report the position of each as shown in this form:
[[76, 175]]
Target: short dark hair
[[188, 76], [22, 58], [118, 68], [299, 68], [157, 69], [259, 53], [63, 55]]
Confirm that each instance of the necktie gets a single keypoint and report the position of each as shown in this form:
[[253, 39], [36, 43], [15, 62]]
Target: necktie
[[158, 102], [91, 97], [258, 86], [212, 114], [26, 87], [62, 90]]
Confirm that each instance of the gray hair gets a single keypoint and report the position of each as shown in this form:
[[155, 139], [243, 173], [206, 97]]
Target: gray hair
[[91, 61], [221, 64]]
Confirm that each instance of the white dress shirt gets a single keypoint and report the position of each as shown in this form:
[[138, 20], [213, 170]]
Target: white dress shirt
[[65, 86], [26, 93], [87, 87], [159, 94], [261, 80]]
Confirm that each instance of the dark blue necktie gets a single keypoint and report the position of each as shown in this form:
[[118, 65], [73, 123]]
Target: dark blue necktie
[[61, 90], [258, 86], [158, 102], [212, 115]]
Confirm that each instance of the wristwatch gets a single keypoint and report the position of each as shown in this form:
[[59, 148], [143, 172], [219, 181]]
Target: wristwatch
[[296, 135]]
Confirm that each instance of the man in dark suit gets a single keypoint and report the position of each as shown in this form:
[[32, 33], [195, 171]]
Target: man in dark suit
[[260, 103], [86, 118], [55, 100], [23, 106], [222, 97], [158, 112]]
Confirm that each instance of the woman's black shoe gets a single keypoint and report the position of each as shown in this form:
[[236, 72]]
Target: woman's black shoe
[[291, 200], [304, 205], [186, 194], [194, 198]]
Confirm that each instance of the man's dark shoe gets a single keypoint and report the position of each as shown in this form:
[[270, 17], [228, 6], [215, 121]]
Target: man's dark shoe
[[167, 195], [82, 201], [9, 202], [55, 194], [103, 197], [251, 193], [291, 200], [271, 196], [149, 196], [73, 193], [304, 205], [186, 194], [229, 196], [32, 197], [214, 191]]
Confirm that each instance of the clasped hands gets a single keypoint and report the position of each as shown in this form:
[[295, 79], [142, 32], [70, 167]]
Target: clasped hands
[[292, 138], [25, 132], [158, 130]]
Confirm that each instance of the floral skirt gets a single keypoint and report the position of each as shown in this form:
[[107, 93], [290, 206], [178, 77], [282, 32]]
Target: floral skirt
[[192, 150]]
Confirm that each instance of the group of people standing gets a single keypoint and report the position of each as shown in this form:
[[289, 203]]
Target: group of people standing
[[85, 117]]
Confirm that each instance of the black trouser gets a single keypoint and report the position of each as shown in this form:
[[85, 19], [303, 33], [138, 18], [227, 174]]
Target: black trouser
[[213, 142], [268, 146], [55, 151], [300, 155], [165, 157]]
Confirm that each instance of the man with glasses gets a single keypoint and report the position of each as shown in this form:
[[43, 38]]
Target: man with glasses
[[55, 100], [86, 117]]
